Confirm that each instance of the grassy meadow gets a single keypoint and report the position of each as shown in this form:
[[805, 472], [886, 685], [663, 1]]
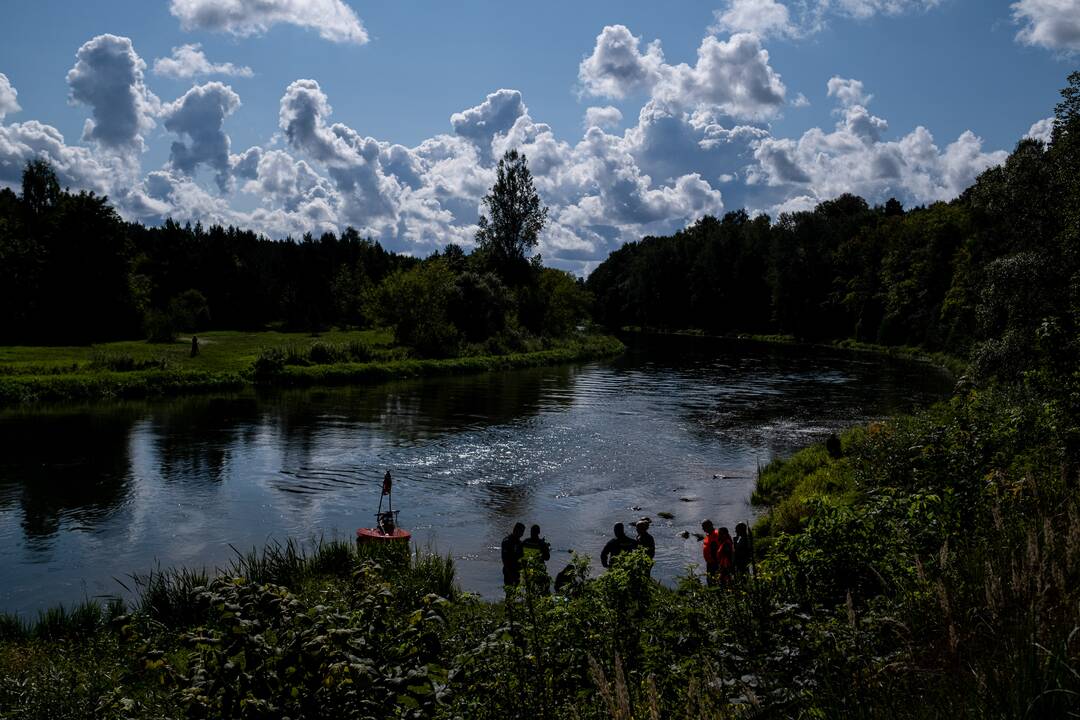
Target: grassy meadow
[[229, 360]]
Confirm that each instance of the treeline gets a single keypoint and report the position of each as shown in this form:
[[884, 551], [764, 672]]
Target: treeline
[[73, 272], [995, 273]]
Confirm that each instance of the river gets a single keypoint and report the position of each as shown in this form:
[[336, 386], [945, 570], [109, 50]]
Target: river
[[90, 495]]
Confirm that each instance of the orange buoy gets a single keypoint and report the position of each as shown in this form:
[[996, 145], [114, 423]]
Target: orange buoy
[[364, 535]]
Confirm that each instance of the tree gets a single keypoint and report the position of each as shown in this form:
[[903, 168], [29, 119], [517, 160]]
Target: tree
[[41, 190], [515, 217]]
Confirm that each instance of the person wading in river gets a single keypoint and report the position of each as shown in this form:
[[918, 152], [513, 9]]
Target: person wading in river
[[644, 540], [710, 549], [744, 549], [617, 545], [538, 550], [512, 552], [725, 556]]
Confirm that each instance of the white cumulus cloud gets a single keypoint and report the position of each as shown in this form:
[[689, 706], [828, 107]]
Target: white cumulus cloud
[[1052, 24], [333, 19], [731, 76], [199, 115], [762, 17], [9, 97], [108, 77], [1041, 130], [188, 61], [617, 67], [853, 158], [602, 117]]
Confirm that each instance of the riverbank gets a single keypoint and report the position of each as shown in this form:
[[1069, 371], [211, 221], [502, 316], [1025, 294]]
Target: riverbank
[[229, 361], [955, 366]]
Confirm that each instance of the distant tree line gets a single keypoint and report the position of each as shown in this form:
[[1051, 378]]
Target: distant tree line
[[994, 273], [72, 271]]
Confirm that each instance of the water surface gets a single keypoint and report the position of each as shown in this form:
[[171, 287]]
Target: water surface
[[90, 495]]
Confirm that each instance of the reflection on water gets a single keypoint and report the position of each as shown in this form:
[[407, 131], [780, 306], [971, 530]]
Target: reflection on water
[[89, 495]]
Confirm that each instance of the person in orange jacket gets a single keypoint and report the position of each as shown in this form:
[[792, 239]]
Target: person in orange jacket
[[710, 548], [725, 556]]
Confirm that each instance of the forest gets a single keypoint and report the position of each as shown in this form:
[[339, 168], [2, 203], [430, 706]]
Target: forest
[[72, 272], [929, 567]]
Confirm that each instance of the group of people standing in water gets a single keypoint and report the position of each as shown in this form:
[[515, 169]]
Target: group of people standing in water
[[725, 556]]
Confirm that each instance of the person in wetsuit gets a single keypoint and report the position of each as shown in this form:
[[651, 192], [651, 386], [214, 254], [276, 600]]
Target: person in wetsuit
[[725, 555], [536, 546], [512, 552], [744, 549], [538, 549], [644, 540], [617, 545]]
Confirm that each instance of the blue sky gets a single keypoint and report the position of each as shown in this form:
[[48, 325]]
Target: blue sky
[[700, 107]]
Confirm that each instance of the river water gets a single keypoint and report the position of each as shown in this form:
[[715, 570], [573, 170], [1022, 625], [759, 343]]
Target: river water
[[90, 495]]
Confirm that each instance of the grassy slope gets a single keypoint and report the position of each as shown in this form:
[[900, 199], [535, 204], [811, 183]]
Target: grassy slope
[[34, 374]]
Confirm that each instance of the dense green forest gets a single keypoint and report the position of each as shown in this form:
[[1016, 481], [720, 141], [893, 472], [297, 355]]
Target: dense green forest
[[930, 568], [73, 272]]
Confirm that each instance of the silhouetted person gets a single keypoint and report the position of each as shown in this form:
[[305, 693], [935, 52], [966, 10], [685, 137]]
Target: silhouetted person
[[536, 546], [538, 549], [617, 545], [710, 549], [725, 555], [565, 579], [744, 549], [644, 539], [194, 345], [832, 446], [512, 552]]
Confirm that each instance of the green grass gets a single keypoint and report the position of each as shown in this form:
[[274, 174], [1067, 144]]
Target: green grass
[[136, 369], [219, 351]]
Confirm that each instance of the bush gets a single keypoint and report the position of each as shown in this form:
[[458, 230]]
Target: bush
[[159, 327], [270, 364]]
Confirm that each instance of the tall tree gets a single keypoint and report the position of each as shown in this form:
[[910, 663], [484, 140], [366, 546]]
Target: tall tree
[[515, 217]]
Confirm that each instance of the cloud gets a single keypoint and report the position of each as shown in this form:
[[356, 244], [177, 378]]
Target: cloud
[[497, 114], [9, 97], [370, 196], [732, 76], [602, 117], [848, 92], [200, 116], [75, 166], [798, 19], [800, 101], [853, 158], [863, 9], [188, 61], [1041, 130], [334, 20], [617, 67], [1051, 24], [761, 17], [108, 76]]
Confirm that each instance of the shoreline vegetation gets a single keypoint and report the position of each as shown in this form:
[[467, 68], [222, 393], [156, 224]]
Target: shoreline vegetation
[[230, 361], [951, 364]]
